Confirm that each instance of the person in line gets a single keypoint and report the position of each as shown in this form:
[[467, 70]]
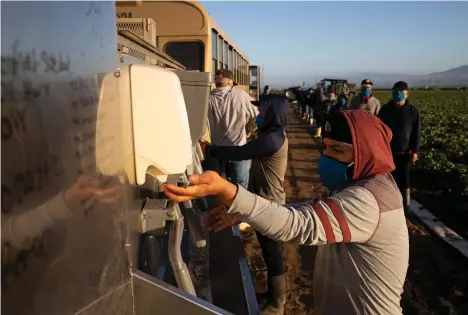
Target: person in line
[[310, 101], [365, 100], [229, 112], [269, 154], [359, 224], [266, 91], [301, 100], [404, 119], [319, 102], [327, 105], [341, 104], [345, 89]]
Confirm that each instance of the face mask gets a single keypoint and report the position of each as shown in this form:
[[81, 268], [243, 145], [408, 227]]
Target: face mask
[[366, 91], [333, 173], [398, 96], [258, 121], [343, 102]]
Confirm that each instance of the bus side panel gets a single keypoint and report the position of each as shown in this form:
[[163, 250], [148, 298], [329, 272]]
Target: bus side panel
[[167, 16], [64, 250], [172, 17]]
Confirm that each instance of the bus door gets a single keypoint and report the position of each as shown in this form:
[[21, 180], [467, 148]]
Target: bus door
[[255, 84]]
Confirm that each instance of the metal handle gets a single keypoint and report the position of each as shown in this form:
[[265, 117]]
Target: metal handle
[[181, 273], [199, 152], [193, 221]]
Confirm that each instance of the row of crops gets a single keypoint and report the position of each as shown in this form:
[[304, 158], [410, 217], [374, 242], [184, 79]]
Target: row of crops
[[443, 164]]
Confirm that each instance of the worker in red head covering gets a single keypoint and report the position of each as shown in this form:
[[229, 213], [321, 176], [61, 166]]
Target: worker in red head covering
[[361, 264]]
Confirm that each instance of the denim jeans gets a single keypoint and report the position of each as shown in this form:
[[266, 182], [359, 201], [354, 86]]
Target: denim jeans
[[238, 172]]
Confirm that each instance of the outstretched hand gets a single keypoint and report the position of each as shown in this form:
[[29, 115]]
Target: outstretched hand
[[218, 219], [208, 183]]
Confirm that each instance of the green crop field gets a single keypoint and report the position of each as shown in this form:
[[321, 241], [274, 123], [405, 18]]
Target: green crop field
[[443, 164]]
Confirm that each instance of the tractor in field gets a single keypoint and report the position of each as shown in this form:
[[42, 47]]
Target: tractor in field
[[337, 86]]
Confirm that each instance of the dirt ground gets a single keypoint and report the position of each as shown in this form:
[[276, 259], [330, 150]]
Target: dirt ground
[[437, 279]]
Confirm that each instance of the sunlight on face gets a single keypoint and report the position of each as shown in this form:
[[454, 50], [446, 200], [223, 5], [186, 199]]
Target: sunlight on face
[[340, 151]]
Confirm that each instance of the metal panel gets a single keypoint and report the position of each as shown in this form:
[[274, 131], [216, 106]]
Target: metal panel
[[152, 296], [131, 44], [63, 250]]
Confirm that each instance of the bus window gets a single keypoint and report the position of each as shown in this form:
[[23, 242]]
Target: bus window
[[230, 58], [220, 52], [234, 64], [190, 54], [243, 71], [214, 52], [240, 71], [225, 60]]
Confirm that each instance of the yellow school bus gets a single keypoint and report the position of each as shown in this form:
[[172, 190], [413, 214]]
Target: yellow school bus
[[186, 32]]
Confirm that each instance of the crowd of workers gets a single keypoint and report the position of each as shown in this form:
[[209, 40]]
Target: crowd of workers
[[358, 226]]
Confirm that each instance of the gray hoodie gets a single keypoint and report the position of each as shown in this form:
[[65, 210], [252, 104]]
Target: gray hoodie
[[229, 111]]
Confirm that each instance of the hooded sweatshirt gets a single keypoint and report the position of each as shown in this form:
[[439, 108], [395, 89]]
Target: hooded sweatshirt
[[229, 111], [361, 266], [269, 152]]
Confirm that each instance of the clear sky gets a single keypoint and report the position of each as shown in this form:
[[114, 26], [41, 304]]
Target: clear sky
[[291, 40]]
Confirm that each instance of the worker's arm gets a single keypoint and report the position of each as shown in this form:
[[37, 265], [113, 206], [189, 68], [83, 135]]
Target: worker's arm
[[351, 215], [377, 107], [264, 145], [17, 229], [251, 110]]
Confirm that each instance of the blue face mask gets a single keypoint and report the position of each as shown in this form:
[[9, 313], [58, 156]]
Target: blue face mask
[[258, 121], [366, 91], [333, 173], [398, 96], [343, 102]]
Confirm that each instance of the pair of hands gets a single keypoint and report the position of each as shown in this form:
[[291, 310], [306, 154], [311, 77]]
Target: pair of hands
[[86, 187], [208, 183]]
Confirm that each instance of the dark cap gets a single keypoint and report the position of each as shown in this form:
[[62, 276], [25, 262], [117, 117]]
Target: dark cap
[[400, 86], [367, 81], [225, 73]]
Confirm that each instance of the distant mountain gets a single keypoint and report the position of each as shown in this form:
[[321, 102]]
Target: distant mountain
[[451, 78], [455, 77]]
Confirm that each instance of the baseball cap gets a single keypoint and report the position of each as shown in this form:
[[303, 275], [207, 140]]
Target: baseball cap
[[400, 86], [226, 74], [367, 81]]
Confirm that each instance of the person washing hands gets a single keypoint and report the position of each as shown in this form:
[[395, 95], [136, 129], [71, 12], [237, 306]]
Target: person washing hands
[[269, 155], [361, 264]]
